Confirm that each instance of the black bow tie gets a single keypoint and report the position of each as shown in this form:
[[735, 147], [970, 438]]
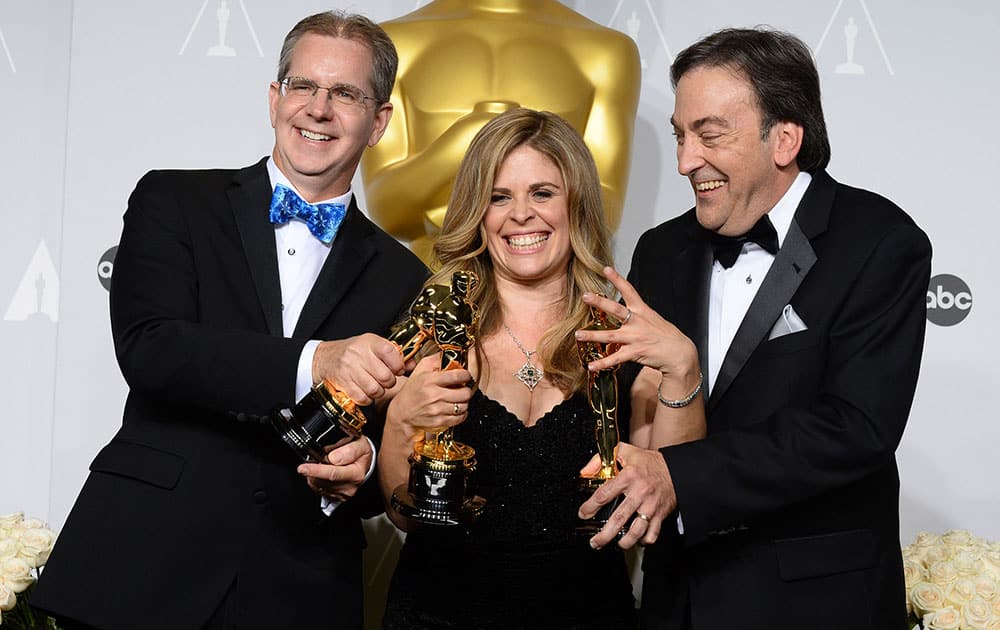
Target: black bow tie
[[728, 248]]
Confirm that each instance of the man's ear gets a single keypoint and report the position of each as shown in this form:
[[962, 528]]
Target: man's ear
[[273, 94], [788, 142], [382, 117]]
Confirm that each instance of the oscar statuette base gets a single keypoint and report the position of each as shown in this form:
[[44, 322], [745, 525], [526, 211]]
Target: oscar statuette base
[[323, 420], [440, 489]]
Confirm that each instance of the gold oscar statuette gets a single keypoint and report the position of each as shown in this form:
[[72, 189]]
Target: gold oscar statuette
[[440, 488], [326, 417], [463, 62], [602, 392]]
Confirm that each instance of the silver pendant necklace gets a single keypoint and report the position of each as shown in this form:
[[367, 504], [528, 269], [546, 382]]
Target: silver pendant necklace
[[528, 374]]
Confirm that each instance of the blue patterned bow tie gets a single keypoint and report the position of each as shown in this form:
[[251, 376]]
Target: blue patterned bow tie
[[323, 219]]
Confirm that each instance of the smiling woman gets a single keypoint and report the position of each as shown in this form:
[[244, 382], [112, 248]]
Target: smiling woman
[[527, 221], [526, 217]]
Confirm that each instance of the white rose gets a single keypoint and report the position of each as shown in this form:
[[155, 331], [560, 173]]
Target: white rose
[[914, 551], [913, 572], [32, 523], [7, 598], [926, 597], [967, 563], [942, 573], [977, 613], [994, 624], [960, 592], [937, 553], [15, 573], [959, 538], [946, 618], [8, 521], [911, 553], [36, 544], [927, 539], [9, 548], [991, 563], [986, 587]]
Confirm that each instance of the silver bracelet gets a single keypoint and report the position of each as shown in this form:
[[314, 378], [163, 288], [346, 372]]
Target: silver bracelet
[[683, 402]]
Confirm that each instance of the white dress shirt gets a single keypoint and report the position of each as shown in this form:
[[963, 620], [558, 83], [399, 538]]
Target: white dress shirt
[[732, 290], [300, 258]]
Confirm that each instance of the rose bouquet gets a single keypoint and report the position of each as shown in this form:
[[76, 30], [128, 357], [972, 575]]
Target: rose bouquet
[[953, 581], [25, 544]]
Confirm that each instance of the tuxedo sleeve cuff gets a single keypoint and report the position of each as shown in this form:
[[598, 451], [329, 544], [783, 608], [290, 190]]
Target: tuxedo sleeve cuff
[[682, 462]]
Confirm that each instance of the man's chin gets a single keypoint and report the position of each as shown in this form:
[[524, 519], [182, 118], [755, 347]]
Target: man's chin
[[709, 220]]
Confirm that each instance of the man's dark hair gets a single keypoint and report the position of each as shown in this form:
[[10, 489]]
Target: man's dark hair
[[781, 71]]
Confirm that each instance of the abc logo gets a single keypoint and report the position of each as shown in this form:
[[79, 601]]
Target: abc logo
[[106, 267], [949, 300]]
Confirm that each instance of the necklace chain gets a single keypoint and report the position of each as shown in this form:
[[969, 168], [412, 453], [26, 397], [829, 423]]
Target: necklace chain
[[529, 374], [520, 346]]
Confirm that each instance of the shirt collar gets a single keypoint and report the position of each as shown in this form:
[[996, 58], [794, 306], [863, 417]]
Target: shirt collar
[[784, 211]]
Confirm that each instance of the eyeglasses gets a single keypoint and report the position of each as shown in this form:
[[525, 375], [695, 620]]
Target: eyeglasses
[[301, 89]]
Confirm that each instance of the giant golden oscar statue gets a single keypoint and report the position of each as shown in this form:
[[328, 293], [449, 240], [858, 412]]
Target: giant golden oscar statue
[[462, 62]]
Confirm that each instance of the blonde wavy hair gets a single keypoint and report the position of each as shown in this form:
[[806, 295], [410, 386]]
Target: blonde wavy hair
[[461, 246]]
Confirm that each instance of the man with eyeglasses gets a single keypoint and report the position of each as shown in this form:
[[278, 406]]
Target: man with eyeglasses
[[234, 292]]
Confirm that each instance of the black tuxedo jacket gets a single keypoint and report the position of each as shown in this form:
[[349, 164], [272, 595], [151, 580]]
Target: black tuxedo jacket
[[790, 505], [195, 491]]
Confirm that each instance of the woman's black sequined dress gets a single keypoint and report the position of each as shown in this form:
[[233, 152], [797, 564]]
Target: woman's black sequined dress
[[520, 565]]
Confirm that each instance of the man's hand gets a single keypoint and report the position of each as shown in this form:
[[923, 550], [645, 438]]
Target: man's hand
[[363, 367], [645, 337], [343, 472], [649, 494]]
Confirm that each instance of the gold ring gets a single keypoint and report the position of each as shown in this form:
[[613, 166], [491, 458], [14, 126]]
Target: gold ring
[[628, 316], [642, 516], [455, 410]]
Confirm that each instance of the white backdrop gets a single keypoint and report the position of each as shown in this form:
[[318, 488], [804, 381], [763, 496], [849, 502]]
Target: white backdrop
[[94, 94]]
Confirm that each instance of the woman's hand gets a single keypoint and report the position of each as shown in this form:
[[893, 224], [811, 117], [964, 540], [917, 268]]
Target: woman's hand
[[431, 399]]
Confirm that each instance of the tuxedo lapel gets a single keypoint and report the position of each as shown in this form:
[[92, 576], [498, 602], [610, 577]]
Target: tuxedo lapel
[[250, 197], [793, 261], [349, 255]]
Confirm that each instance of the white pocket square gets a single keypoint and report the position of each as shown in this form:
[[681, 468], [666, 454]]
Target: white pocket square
[[788, 323]]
